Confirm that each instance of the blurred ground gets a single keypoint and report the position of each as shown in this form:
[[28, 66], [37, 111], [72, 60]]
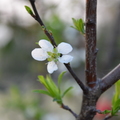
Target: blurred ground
[[18, 70]]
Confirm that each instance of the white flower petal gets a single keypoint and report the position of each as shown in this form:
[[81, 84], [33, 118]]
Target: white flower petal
[[46, 45], [51, 67], [39, 54], [65, 59], [64, 48]]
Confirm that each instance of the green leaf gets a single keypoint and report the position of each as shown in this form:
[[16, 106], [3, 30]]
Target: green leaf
[[78, 25], [115, 108], [106, 112], [116, 104], [74, 21], [82, 26], [49, 85], [52, 86], [60, 78], [43, 92], [28, 9], [116, 99], [66, 91], [117, 93], [117, 88], [43, 81]]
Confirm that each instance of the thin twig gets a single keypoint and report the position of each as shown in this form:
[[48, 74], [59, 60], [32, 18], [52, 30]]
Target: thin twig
[[99, 111], [38, 19], [67, 108], [84, 88], [49, 35], [107, 117]]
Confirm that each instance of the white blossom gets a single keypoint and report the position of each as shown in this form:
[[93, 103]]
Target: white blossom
[[53, 55]]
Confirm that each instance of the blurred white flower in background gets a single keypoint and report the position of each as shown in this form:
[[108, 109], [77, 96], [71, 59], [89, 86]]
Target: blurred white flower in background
[[6, 34]]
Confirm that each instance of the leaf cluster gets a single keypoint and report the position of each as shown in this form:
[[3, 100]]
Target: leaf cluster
[[52, 89], [22, 102], [79, 25]]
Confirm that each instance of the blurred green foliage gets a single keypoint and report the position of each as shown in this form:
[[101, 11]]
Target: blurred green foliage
[[24, 103]]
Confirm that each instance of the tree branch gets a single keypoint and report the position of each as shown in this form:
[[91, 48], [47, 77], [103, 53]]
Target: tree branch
[[110, 78], [38, 19], [49, 35], [83, 87], [67, 108], [91, 51], [107, 117]]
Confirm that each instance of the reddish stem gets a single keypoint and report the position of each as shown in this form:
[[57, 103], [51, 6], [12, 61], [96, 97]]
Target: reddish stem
[[91, 50]]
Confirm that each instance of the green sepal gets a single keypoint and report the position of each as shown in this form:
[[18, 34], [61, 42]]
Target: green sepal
[[37, 43], [50, 59], [50, 53], [28, 9], [55, 51]]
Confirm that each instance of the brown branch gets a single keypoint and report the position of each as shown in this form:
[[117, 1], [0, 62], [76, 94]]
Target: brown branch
[[67, 108], [110, 78], [83, 87], [91, 51], [107, 117], [38, 19], [49, 35]]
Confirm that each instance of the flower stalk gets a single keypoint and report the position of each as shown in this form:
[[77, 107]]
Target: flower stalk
[[51, 38]]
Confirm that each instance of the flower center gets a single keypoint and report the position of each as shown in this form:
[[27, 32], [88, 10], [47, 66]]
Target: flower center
[[53, 56]]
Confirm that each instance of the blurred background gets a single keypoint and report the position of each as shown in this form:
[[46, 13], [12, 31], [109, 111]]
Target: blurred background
[[18, 70]]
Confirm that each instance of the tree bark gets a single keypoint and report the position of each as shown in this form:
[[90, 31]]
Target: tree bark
[[90, 40], [88, 109]]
